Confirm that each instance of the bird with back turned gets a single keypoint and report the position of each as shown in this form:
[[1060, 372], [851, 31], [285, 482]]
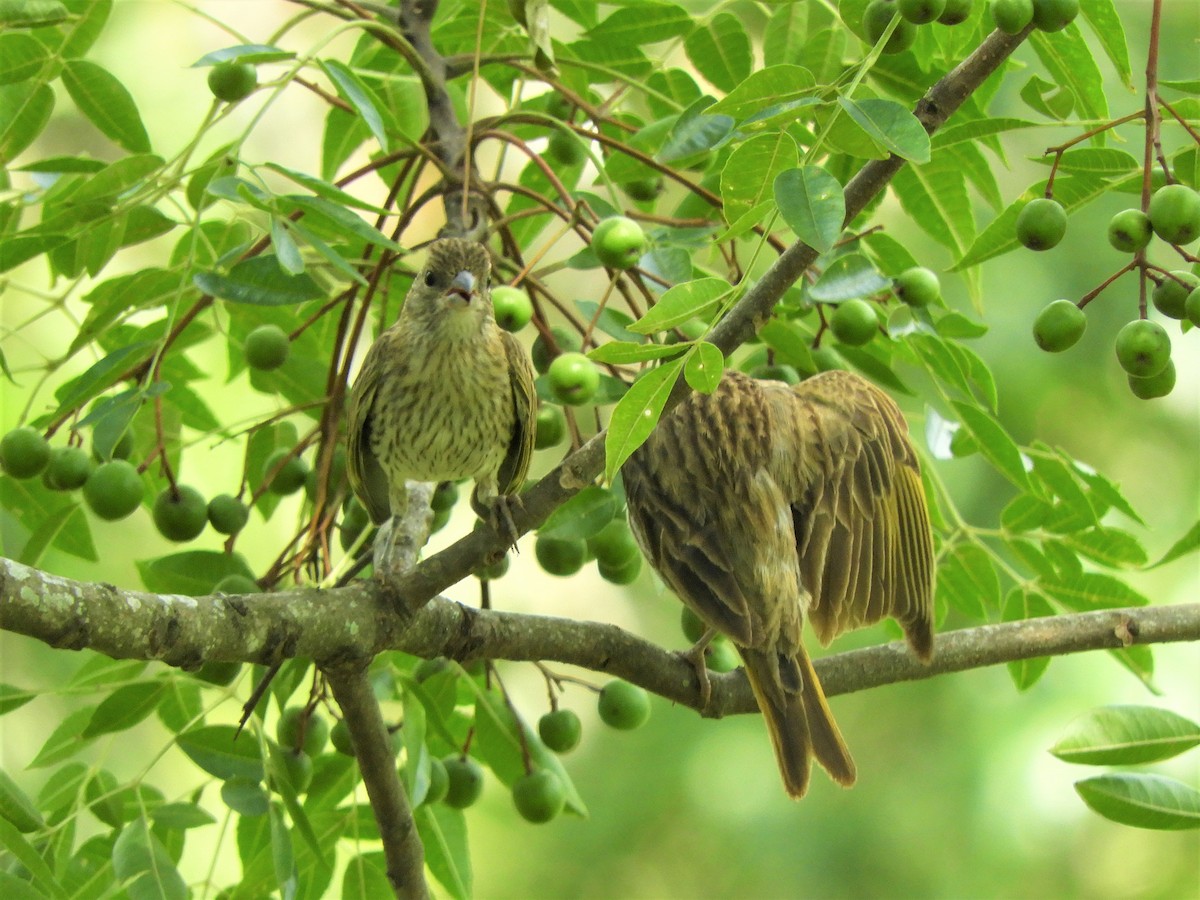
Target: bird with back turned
[[763, 502]]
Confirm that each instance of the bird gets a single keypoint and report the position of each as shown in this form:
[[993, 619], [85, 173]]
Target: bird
[[764, 502], [443, 394]]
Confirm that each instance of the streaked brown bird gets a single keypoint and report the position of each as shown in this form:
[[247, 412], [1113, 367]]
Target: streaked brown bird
[[443, 394], [762, 502]]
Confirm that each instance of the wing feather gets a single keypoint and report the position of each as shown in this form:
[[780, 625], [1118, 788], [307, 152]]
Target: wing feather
[[366, 475], [520, 447]]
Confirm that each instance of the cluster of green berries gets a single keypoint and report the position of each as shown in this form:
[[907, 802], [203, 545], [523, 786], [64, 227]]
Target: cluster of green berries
[[855, 322], [1010, 16], [618, 558]]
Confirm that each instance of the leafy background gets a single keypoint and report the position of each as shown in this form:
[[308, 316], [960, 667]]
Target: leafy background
[[957, 795]]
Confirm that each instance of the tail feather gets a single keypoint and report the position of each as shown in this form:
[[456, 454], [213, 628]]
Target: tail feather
[[799, 723]]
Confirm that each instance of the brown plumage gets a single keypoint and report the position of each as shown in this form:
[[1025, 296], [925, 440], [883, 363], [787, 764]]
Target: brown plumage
[[443, 394], [763, 502]]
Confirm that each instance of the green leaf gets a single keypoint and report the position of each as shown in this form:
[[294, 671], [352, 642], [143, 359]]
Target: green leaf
[[994, 443], [890, 125], [118, 177], [582, 516], [286, 251], [244, 53], [181, 816], [967, 581], [140, 859], [936, 197], [47, 533], [703, 367], [65, 741], [813, 205], [635, 416], [624, 353], [355, 92], [31, 858], [25, 109], [322, 188], [124, 708], [1143, 801], [1189, 543], [1070, 63], [682, 302], [17, 808], [1021, 604], [721, 52], [791, 346], [976, 129], [21, 57], [106, 103], [216, 750], [366, 874], [12, 697], [645, 23], [260, 281], [344, 222], [192, 573], [694, 135], [1086, 591], [771, 87], [848, 276], [1126, 736], [32, 13], [1110, 546], [750, 170], [443, 831]]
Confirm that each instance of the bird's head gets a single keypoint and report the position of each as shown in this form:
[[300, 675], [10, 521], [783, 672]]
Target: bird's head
[[450, 293]]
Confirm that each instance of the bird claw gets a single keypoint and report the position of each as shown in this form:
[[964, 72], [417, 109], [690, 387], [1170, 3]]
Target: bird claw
[[497, 512], [694, 655]]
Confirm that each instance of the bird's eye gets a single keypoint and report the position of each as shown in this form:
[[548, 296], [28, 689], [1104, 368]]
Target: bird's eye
[[430, 278]]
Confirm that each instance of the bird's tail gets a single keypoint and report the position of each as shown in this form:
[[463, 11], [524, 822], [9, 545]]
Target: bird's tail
[[798, 721]]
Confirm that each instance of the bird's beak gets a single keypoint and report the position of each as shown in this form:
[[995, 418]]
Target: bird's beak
[[461, 290]]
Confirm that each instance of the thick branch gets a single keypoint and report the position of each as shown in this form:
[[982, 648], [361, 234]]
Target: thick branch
[[344, 626]]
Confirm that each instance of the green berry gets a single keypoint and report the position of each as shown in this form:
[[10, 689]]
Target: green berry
[[297, 769], [565, 340], [296, 724], [854, 322], [339, 736], [776, 372], [445, 495], [560, 730], [921, 12], [1175, 213], [180, 514], [551, 427], [573, 379], [465, 781], [1191, 307], [1059, 326], [266, 348], [558, 556], [623, 572], [114, 490], [227, 514], [219, 673], [232, 81], [1156, 385], [512, 307], [1143, 348], [494, 570], [69, 468], [24, 452], [624, 706], [614, 543], [289, 472], [1041, 224], [917, 286], [539, 796], [721, 656], [877, 17], [1054, 15], [565, 149], [439, 781], [1170, 295], [692, 625], [644, 189], [955, 13], [618, 242], [236, 584], [1129, 230], [1012, 16]]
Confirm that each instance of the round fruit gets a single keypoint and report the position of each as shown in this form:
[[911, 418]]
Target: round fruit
[[1191, 307], [560, 730], [1156, 385], [24, 452], [692, 626], [227, 514], [955, 13], [494, 570], [512, 307], [644, 189], [465, 781], [292, 722], [69, 468], [565, 149], [439, 781], [559, 107], [776, 372], [614, 543], [624, 706], [445, 495], [218, 673], [721, 657], [297, 769], [623, 572], [878, 16], [440, 518], [1059, 326], [1170, 296], [921, 12], [180, 514], [618, 242], [854, 322], [1054, 15], [114, 490], [1175, 213], [573, 379], [339, 736], [236, 584], [1012, 16], [266, 348], [288, 476], [539, 796], [232, 81], [1041, 224], [1143, 348], [558, 556], [917, 286], [1129, 230], [541, 354], [551, 427]]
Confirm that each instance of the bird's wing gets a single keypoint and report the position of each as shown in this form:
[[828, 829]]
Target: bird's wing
[[367, 478], [520, 447], [858, 506]]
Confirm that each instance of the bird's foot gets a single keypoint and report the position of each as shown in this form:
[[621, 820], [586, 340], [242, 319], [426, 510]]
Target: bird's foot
[[498, 513], [694, 655]]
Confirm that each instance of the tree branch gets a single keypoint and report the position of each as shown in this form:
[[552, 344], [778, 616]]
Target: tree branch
[[342, 627]]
